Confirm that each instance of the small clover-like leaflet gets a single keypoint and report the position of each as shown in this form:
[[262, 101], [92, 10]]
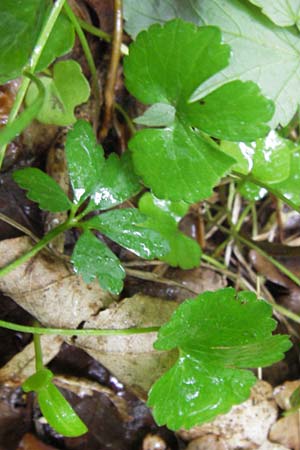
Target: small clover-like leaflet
[[218, 335], [55, 408]]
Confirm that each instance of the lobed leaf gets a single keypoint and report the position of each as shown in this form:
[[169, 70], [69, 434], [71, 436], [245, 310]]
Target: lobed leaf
[[218, 335], [108, 182], [93, 259], [42, 189], [128, 228], [68, 88], [177, 162], [262, 51], [164, 217]]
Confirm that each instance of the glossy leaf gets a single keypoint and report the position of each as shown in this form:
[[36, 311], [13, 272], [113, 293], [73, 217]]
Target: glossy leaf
[[59, 413], [108, 182], [164, 216], [251, 191], [116, 183], [20, 25], [282, 12], [290, 188], [42, 189], [177, 163], [85, 160], [268, 159], [218, 335], [61, 41], [93, 259], [67, 89], [128, 228], [271, 59], [38, 380], [181, 52]]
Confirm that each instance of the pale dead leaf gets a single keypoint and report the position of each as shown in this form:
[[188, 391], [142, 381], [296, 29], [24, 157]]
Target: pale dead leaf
[[286, 431], [131, 358], [283, 393], [246, 425], [47, 289], [22, 365]]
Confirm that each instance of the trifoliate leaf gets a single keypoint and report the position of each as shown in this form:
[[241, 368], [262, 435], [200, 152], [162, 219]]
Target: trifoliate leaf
[[85, 160], [218, 335], [42, 189], [158, 115], [268, 159], [108, 182], [93, 259], [60, 41], [128, 227], [20, 25], [59, 413], [164, 216], [282, 12], [271, 59], [67, 89], [181, 52], [116, 183]]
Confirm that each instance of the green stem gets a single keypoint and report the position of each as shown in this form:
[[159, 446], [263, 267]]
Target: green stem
[[101, 34], [75, 332], [38, 352], [37, 51], [36, 248], [127, 119]]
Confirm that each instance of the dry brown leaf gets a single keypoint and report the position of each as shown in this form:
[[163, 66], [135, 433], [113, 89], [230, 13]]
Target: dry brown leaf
[[30, 442], [283, 393], [47, 289], [247, 425], [22, 365], [131, 358], [286, 431]]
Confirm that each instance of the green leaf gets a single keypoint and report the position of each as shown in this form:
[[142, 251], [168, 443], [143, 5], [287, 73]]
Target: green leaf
[[164, 217], [67, 89], [116, 183], [181, 52], [261, 51], [282, 12], [20, 25], [127, 227], [59, 413], [85, 159], [108, 182], [93, 259], [42, 189], [268, 159], [158, 115], [251, 191], [271, 58], [61, 41], [290, 188], [218, 335], [38, 380]]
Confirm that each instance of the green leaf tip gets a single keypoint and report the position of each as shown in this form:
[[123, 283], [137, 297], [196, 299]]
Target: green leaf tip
[[165, 65], [55, 408], [219, 335], [42, 189]]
